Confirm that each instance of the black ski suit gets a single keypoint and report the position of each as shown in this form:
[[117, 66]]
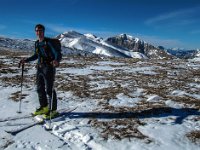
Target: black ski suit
[[45, 53]]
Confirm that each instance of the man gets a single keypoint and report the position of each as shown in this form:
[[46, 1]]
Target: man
[[47, 61]]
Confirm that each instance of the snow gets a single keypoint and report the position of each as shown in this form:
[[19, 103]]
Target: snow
[[131, 37], [172, 104], [99, 50], [96, 45], [90, 36], [126, 52], [124, 101], [165, 141], [153, 98], [121, 104]]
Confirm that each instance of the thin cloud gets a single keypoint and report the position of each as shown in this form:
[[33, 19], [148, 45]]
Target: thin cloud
[[55, 29], [195, 32], [157, 41], [61, 29], [182, 15]]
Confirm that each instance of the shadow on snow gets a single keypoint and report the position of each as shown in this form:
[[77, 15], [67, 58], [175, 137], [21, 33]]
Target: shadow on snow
[[181, 114]]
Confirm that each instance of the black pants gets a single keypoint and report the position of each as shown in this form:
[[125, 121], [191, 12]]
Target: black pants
[[45, 80]]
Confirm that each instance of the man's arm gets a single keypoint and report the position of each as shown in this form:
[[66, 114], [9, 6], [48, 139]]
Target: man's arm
[[32, 58]]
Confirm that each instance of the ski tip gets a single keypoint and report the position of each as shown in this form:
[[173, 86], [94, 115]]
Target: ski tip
[[39, 118], [11, 132], [48, 127]]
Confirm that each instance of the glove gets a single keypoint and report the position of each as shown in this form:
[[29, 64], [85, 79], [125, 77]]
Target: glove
[[55, 63], [22, 61]]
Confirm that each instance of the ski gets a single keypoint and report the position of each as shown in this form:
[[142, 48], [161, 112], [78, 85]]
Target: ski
[[62, 112], [16, 118]]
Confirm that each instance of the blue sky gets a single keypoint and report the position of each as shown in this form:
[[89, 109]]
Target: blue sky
[[170, 23]]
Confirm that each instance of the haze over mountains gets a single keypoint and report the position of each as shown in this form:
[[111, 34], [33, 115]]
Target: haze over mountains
[[122, 45]]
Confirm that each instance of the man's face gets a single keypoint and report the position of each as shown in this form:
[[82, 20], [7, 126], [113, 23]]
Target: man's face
[[39, 32]]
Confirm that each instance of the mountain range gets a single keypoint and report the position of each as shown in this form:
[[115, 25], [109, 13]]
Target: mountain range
[[123, 45]]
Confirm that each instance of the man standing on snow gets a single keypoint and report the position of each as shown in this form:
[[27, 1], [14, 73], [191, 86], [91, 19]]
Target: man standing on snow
[[47, 61]]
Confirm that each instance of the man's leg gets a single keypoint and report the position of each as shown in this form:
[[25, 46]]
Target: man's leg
[[54, 106], [49, 89], [41, 90]]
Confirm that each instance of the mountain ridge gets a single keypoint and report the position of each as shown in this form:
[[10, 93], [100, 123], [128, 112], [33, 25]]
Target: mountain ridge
[[122, 45]]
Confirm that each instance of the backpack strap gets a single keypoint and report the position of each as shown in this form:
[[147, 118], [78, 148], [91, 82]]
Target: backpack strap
[[36, 47], [46, 40], [37, 51]]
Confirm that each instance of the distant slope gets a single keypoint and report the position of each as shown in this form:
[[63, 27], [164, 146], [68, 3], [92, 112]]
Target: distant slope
[[123, 46], [93, 44], [134, 44], [183, 54], [17, 44]]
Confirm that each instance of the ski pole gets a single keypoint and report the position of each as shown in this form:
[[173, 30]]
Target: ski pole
[[20, 101], [51, 103]]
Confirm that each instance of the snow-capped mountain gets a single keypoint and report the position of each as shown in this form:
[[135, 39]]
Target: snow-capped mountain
[[17, 44], [136, 45], [198, 53], [183, 53], [93, 44], [123, 45]]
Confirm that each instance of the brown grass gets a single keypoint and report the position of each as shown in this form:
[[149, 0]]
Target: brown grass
[[120, 129], [194, 136], [169, 76], [17, 96]]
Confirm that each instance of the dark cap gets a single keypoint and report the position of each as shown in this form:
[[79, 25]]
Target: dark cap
[[40, 26]]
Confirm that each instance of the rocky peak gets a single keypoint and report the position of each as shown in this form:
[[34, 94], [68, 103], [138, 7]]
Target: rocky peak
[[136, 45]]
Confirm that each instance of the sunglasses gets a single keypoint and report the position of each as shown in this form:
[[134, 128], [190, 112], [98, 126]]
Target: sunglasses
[[39, 30]]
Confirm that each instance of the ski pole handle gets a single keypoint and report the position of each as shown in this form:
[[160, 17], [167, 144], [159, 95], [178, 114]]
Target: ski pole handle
[[19, 65], [22, 71]]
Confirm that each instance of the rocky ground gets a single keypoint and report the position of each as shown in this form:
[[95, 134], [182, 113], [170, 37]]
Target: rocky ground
[[118, 97]]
